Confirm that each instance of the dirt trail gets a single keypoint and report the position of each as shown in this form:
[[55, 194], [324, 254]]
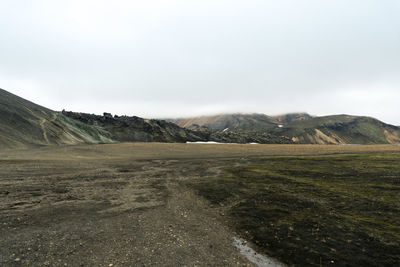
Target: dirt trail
[[42, 122], [125, 213]]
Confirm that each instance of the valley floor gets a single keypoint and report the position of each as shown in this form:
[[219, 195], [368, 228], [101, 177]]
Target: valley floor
[[156, 204]]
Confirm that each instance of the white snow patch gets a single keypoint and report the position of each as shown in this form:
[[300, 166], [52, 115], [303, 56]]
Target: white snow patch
[[218, 143], [201, 142], [210, 143]]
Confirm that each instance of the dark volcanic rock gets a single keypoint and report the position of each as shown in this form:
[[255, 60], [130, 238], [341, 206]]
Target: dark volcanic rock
[[135, 129]]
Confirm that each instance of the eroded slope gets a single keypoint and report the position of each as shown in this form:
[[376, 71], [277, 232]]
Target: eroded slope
[[24, 123]]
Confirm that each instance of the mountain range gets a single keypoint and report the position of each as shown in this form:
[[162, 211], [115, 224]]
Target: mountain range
[[298, 128], [26, 124]]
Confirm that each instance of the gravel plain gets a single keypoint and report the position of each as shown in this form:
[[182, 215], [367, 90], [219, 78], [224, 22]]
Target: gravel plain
[[122, 204]]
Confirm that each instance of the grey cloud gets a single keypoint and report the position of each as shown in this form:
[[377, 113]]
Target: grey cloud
[[182, 58]]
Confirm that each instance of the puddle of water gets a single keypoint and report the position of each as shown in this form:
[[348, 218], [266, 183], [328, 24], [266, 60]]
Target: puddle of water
[[254, 257]]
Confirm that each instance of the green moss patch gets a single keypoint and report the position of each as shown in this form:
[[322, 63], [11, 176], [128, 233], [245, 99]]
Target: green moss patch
[[314, 210]]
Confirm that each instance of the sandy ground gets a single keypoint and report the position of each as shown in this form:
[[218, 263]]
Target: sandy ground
[[122, 204]]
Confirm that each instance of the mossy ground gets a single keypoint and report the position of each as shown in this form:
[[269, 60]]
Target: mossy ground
[[341, 210]]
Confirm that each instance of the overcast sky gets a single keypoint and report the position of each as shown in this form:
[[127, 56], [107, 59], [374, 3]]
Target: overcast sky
[[171, 58]]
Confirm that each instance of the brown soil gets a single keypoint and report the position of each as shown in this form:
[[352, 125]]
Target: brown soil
[[122, 204]]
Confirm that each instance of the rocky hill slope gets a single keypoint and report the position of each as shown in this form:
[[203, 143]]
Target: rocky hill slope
[[222, 122], [341, 129], [292, 117], [135, 129], [300, 128], [23, 123], [235, 128]]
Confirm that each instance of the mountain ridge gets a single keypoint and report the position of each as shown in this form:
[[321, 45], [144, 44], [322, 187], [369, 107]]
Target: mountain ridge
[[133, 128], [24, 124], [302, 128]]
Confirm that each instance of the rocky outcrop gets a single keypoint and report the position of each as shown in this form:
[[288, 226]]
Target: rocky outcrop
[[299, 128], [136, 129]]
